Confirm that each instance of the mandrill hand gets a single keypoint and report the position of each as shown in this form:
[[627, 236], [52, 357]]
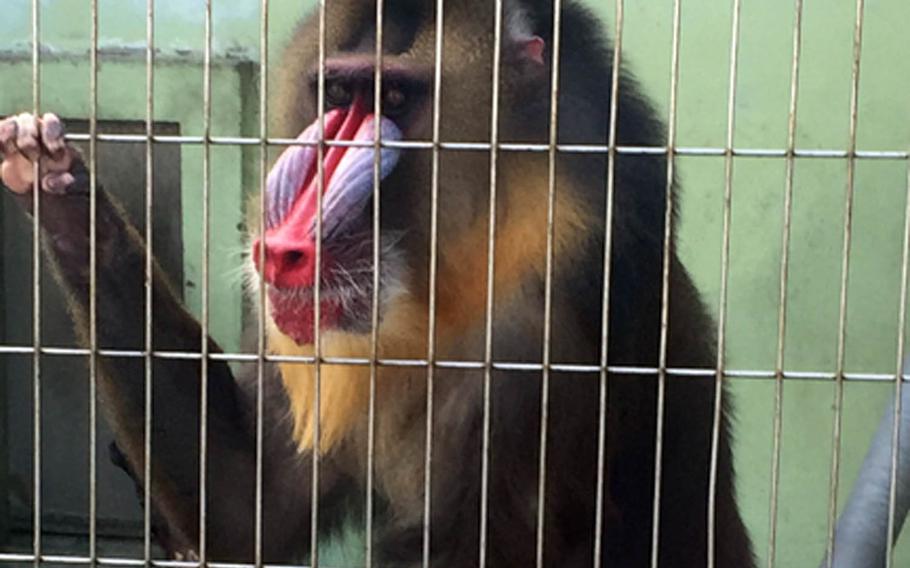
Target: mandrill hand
[[26, 139]]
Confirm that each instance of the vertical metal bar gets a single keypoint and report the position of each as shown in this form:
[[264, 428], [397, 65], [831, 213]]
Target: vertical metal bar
[[619, 15], [93, 292], [434, 252], [206, 230], [665, 284], [377, 269], [260, 319], [36, 301], [845, 274], [317, 378], [491, 288], [548, 280], [899, 381], [149, 277], [724, 283], [782, 286]]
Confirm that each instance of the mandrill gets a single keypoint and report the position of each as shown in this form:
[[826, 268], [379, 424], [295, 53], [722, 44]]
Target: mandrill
[[394, 446]]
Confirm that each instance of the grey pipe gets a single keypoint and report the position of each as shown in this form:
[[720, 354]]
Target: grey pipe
[[861, 534]]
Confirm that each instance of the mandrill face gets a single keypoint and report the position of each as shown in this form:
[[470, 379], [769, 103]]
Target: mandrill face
[[348, 171]]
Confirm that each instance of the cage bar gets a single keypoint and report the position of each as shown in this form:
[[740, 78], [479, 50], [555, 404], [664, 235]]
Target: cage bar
[[770, 374], [260, 295], [777, 425], [117, 561], [317, 339], [619, 15], [548, 279], [898, 381], [93, 290], [710, 151], [377, 269], [206, 235], [621, 149], [724, 283], [844, 278], [149, 277], [491, 285], [36, 300], [665, 283], [433, 269]]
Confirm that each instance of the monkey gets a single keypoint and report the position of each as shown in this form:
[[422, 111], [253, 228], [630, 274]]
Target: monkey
[[491, 451]]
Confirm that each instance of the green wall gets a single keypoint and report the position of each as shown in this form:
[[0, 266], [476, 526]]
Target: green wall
[[763, 91], [758, 189]]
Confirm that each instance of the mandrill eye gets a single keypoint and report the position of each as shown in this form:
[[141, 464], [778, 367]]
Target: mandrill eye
[[393, 101], [338, 94]]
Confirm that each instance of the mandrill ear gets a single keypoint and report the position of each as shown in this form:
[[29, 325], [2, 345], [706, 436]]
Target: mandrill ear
[[531, 49], [524, 44]]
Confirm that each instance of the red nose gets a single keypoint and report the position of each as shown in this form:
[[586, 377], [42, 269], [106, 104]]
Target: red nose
[[289, 262], [290, 248]]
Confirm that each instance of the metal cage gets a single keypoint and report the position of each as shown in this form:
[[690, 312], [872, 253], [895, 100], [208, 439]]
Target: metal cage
[[154, 138]]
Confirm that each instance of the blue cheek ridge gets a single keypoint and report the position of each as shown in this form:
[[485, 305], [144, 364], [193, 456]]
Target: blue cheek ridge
[[288, 175], [352, 185]]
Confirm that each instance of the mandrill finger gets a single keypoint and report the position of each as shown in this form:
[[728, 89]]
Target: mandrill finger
[[27, 136], [72, 181], [52, 135], [57, 183], [8, 133]]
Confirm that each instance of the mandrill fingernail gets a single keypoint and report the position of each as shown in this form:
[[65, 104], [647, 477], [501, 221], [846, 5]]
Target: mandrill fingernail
[[57, 183]]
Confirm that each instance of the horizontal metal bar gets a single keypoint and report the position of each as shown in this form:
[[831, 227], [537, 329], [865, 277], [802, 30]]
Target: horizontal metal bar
[[77, 560], [71, 559], [507, 147], [451, 364]]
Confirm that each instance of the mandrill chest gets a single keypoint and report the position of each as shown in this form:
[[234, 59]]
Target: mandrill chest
[[344, 389]]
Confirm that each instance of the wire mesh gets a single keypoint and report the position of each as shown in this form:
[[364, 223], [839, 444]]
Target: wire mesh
[[431, 363]]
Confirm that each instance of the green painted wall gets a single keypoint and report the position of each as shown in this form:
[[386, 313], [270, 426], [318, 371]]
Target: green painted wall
[[763, 90], [758, 188]]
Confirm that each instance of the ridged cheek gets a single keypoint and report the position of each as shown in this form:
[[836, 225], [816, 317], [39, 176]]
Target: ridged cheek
[[351, 186], [294, 168], [288, 176]]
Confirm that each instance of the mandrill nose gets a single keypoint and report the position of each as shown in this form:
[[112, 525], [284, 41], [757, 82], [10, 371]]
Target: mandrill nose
[[289, 262]]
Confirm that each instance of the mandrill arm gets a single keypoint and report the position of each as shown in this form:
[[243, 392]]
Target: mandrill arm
[[64, 217]]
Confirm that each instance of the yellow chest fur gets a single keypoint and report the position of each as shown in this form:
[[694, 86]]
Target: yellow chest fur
[[343, 389]]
